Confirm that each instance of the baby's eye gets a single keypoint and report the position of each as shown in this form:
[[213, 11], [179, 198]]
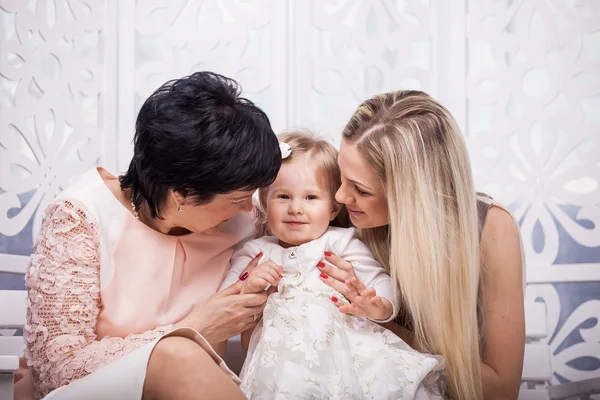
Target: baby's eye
[[283, 196], [311, 197]]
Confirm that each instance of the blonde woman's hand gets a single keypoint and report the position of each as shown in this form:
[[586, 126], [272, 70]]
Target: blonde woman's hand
[[364, 302], [227, 313]]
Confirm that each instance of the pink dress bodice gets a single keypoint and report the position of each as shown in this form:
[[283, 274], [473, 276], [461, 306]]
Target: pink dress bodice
[[157, 278]]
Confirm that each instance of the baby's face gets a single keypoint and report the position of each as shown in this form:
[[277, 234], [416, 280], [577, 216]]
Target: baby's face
[[298, 208]]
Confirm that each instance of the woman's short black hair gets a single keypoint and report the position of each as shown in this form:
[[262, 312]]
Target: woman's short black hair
[[197, 136]]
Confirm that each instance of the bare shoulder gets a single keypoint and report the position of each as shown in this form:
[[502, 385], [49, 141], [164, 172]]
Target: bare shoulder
[[500, 225], [503, 312], [501, 243]]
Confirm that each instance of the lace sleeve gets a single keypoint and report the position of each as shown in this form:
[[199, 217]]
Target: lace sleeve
[[63, 285]]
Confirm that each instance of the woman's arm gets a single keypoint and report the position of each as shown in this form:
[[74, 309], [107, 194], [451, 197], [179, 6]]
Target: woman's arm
[[248, 256], [370, 274], [503, 312], [63, 285]]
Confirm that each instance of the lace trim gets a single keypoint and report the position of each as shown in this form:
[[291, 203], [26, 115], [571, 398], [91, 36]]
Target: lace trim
[[63, 284]]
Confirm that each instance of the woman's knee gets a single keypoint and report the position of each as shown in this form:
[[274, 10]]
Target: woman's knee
[[179, 367], [177, 350]]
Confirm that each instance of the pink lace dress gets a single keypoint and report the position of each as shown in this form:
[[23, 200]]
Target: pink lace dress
[[103, 288]]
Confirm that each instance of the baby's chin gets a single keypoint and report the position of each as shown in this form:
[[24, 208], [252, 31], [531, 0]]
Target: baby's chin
[[287, 240]]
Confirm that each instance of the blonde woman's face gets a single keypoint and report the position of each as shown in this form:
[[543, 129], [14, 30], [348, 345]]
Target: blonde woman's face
[[362, 191]]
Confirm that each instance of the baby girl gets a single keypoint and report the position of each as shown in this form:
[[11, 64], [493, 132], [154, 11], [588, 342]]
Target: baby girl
[[304, 347]]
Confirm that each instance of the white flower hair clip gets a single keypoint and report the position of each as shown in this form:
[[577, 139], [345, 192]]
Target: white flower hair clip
[[286, 150]]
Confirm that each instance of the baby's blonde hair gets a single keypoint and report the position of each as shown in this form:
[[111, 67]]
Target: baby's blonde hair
[[321, 154]]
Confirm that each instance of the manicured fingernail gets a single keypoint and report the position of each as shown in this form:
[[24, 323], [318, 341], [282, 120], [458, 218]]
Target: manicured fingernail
[[243, 276], [324, 275], [327, 254], [334, 299], [258, 255], [280, 276], [320, 264]]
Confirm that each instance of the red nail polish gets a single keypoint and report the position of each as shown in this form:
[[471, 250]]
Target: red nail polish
[[243, 276], [280, 276], [258, 255], [324, 275], [334, 299], [327, 254], [320, 264]]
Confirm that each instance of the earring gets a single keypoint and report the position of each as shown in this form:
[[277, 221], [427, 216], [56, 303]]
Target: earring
[[180, 208]]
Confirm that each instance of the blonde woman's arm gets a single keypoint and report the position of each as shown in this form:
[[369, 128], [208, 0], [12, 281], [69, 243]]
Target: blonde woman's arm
[[504, 315], [504, 329], [350, 268]]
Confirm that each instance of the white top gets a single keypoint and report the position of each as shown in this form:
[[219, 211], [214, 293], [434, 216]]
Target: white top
[[299, 264]]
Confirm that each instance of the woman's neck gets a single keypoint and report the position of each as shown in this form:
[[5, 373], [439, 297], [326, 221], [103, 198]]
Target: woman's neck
[[145, 216], [160, 225]]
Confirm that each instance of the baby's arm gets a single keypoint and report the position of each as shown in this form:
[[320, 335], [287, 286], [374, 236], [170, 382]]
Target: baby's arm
[[257, 280], [239, 261], [372, 275], [266, 274]]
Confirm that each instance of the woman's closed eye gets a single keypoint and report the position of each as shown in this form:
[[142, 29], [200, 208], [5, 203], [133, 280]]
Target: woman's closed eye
[[360, 192], [239, 201]]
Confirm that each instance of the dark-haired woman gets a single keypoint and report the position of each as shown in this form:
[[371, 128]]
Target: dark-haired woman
[[122, 282]]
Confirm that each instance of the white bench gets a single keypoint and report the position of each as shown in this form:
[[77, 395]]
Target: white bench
[[537, 367], [12, 317], [537, 364]]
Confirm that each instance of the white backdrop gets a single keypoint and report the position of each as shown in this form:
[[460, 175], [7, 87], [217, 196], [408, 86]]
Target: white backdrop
[[522, 77]]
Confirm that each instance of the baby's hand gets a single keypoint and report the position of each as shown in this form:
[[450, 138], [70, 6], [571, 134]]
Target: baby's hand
[[263, 275]]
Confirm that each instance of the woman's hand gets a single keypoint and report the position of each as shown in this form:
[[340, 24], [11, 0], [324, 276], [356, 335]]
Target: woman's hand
[[226, 313], [364, 302]]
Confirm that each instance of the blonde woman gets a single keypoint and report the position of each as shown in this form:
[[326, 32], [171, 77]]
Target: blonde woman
[[455, 256]]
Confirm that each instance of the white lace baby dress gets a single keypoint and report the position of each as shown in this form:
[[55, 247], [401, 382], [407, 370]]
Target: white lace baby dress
[[306, 349]]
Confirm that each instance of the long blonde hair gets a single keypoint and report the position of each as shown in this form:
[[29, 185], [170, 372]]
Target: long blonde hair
[[431, 243]]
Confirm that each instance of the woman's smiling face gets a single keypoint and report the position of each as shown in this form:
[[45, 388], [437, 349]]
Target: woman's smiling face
[[362, 191]]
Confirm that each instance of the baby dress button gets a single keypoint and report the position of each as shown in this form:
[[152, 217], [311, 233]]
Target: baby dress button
[[293, 254], [297, 275]]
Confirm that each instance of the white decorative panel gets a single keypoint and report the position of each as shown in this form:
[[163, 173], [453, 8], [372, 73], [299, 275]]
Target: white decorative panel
[[346, 51], [173, 38], [51, 81], [534, 92], [533, 101], [575, 337], [522, 77]]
